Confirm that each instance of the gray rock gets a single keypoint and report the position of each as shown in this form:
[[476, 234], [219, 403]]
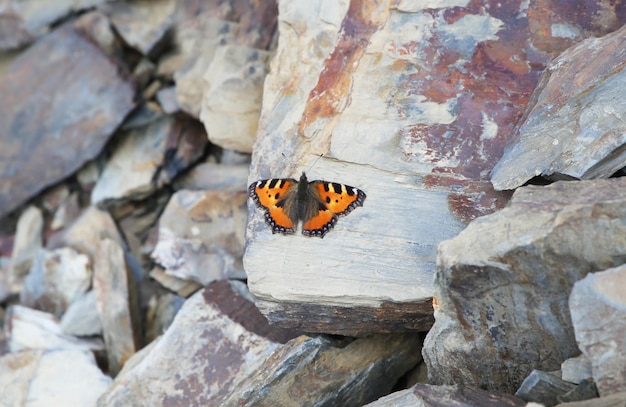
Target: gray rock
[[585, 390], [55, 377], [598, 309], [27, 243], [425, 395], [503, 283], [577, 130], [180, 286], [116, 302], [43, 104], [56, 279], [544, 388], [576, 369], [82, 317], [614, 400], [201, 235]]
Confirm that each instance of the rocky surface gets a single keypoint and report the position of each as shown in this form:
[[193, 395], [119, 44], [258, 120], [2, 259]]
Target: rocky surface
[[128, 267]]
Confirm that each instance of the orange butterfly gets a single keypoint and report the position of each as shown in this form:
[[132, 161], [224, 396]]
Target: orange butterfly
[[317, 203]]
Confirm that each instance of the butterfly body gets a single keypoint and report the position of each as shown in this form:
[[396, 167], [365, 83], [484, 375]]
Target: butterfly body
[[317, 203]]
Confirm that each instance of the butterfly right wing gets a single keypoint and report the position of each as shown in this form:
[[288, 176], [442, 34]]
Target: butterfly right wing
[[271, 195]]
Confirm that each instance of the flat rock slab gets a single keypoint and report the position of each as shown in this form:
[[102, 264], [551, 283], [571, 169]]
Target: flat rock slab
[[503, 283], [574, 125], [61, 100], [598, 308]]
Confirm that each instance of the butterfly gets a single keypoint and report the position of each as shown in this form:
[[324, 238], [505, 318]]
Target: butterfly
[[317, 203]]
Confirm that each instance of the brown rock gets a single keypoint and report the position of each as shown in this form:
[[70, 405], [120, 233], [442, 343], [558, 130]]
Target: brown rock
[[598, 309], [116, 303], [503, 283], [42, 104]]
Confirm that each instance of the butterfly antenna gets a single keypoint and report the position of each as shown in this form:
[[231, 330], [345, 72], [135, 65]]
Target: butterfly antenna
[[315, 162]]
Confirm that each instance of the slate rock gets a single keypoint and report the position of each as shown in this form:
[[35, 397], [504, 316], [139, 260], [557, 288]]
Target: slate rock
[[42, 103], [56, 279], [82, 317], [542, 387], [215, 177], [180, 286], [572, 127], [503, 283], [440, 396], [41, 378], [204, 355], [598, 309], [201, 235], [116, 301], [26, 244], [614, 400], [585, 390], [576, 369]]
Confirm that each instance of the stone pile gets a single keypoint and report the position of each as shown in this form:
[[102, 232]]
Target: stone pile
[[485, 268]]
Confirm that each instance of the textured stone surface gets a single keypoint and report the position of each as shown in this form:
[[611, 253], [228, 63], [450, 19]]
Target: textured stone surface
[[576, 369], [544, 388], [440, 396], [82, 318], [503, 283], [201, 235], [62, 88], [573, 126], [26, 244], [60, 377], [598, 308]]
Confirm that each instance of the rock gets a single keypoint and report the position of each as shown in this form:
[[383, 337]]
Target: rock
[[502, 283], [215, 177], [31, 329], [182, 287], [197, 39], [142, 24], [56, 279], [23, 22], [66, 213], [116, 304], [576, 369], [321, 373], [40, 378], [86, 232], [82, 317], [614, 400], [42, 104], [27, 243], [544, 388], [161, 314], [201, 236], [167, 100], [572, 130], [232, 101], [585, 390], [149, 157], [598, 309], [439, 396], [204, 355]]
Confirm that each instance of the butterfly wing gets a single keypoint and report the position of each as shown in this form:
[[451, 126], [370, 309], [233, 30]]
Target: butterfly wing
[[272, 195], [332, 200]]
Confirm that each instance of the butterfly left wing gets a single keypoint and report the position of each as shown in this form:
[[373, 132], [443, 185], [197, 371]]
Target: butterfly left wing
[[271, 195], [334, 200]]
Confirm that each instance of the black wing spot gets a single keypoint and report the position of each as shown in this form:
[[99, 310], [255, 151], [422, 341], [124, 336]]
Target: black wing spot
[[337, 187], [277, 195], [328, 199]]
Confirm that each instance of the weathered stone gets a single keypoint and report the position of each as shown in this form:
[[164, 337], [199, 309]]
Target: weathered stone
[[56, 279], [572, 126], [576, 369], [142, 24], [182, 287], [322, 374], [27, 243], [502, 284], [82, 317], [66, 213], [201, 235], [585, 390], [56, 377], [544, 388], [23, 22], [149, 157], [215, 177], [86, 232], [167, 100], [42, 104], [204, 355], [598, 308], [440, 396], [31, 329], [161, 314], [116, 303], [231, 103], [399, 99], [197, 39], [614, 400]]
